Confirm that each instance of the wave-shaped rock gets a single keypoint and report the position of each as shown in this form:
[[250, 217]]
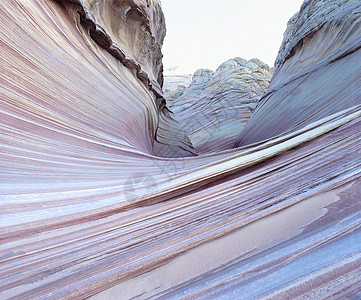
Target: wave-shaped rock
[[89, 208], [215, 107], [133, 32], [316, 70]]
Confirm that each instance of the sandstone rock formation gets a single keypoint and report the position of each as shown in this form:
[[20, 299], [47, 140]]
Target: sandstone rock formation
[[316, 70], [175, 85], [215, 107], [90, 205], [133, 32]]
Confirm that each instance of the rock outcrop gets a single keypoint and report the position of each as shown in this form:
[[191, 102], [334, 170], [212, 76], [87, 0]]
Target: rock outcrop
[[133, 32], [316, 70], [216, 106], [92, 204]]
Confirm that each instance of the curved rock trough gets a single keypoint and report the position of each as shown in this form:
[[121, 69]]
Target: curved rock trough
[[104, 196]]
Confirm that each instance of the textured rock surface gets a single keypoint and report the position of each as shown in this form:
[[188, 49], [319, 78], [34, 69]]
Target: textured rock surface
[[317, 70], [133, 32], [88, 209], [216, 106], [174, 86], [137, 27]]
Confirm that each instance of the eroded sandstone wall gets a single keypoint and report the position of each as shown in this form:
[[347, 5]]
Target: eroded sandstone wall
[[317, 70], [137, 27], [132, 32]]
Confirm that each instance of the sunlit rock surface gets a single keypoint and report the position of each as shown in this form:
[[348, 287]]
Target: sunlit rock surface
[[216, 106], [90, 209]]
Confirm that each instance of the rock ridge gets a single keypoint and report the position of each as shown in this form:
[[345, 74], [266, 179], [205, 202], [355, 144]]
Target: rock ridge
[[215, 107], [150, 69], [104, 40]]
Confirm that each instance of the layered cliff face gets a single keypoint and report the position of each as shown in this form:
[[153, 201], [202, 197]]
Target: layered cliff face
[[216, 106], [137, 27], [89, 208], [320, 50], [132, 33]]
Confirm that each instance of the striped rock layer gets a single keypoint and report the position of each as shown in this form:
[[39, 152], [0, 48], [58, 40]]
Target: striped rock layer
[[95, 202]]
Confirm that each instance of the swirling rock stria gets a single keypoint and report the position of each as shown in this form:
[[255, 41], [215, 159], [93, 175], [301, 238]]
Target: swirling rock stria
[[89, 210]]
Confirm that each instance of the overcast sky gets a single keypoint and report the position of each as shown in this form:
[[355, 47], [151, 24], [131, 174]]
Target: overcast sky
[[205, 33]]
